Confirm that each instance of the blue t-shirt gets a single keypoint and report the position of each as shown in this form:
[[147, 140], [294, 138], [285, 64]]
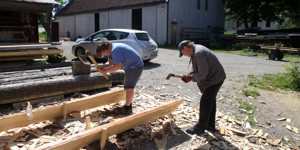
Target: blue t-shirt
[[127, 55]]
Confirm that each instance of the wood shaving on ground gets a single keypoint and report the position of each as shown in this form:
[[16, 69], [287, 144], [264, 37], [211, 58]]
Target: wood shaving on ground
[[234, 134]]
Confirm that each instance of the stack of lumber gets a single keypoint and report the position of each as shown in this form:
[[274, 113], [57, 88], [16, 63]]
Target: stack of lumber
[[283, 49], [17, 86], [26, 51]]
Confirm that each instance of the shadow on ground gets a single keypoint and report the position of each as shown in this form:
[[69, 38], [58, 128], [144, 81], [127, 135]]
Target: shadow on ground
[[151, 65]]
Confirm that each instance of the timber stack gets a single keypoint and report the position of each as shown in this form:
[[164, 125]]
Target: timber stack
[[17, 86]]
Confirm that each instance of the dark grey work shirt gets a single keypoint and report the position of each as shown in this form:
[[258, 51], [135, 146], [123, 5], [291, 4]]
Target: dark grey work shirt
[[207, 70]]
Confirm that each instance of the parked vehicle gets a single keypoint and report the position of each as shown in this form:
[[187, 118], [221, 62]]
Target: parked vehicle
[[137, 39]]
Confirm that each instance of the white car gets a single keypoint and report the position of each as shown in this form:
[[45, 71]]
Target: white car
[[137, 39]]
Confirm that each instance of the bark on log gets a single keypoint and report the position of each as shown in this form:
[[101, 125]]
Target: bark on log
[[80, 68], [23, 77], [57, 86]]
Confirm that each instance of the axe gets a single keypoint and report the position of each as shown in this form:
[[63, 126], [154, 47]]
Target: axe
[[173, 75], [84, 60]]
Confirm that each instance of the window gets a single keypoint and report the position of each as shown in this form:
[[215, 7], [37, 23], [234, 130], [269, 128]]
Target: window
[[268, 24], [99, 36], [120, 35], [206, 5], [198, 4], [142, 36]]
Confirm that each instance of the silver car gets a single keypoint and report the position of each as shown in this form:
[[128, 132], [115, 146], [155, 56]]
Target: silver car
[[137, 39]]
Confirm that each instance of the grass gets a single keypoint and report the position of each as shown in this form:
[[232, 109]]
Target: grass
[[230, 32], [248, 109], [43, 34], [251, 93], [290, 80]]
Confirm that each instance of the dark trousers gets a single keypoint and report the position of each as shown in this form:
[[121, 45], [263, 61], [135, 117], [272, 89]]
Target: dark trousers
[[208, 107]]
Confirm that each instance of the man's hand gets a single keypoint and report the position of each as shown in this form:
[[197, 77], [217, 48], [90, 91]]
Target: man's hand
[[186, 78], [101, 69]]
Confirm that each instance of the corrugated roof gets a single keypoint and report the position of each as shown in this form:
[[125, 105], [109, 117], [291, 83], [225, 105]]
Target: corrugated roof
[[37, 1], [81, 6]]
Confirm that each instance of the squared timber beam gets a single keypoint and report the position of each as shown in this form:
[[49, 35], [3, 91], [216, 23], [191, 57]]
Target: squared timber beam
[[86, 137], [51, 112]]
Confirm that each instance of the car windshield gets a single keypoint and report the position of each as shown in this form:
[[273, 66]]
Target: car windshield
[[142, 36]]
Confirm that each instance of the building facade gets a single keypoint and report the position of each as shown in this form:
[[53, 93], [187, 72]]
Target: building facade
[[167, 21]]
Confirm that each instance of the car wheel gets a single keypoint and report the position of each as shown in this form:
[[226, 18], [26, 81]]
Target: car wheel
[[272, 55], [80, 52]]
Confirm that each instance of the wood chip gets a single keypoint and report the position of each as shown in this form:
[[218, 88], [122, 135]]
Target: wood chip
[[289, 127], [260, 133], [281, 119], [295, 130]]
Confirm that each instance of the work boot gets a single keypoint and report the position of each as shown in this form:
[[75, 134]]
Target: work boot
[[195, 130], [127, 109], [213, 130], [124, 110]]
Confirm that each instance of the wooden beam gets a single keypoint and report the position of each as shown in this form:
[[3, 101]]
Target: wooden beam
[[51, 112], [31, 52], [20, 58], [86, 137]]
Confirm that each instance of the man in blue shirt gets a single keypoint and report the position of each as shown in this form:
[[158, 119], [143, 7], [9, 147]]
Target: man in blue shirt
[[126, 58]]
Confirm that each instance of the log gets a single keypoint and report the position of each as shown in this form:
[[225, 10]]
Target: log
[[21, 77], [17, 53], [61, 85], [51, 112], [20, 58], [86, 137], [35, 68], [80, 68]]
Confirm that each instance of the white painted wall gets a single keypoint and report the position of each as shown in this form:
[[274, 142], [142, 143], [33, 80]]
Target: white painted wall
[[154, 21], [85, 24], [231, 26], [120, 18], [67, 23], [103, 20]]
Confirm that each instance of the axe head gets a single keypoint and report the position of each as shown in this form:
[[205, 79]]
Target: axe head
[[83, 56], [170, 75]]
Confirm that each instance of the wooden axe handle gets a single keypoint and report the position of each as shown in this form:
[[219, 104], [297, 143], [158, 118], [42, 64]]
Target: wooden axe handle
[[96, 64]]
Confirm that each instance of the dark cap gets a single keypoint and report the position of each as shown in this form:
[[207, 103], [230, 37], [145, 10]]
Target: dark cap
[[181, 46]]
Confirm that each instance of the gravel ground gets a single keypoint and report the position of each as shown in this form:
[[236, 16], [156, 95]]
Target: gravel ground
[[269, 105]]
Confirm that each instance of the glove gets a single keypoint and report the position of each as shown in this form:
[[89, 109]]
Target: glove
[[186, 78]]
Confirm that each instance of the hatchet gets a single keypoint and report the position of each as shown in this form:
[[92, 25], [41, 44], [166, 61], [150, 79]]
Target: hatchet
[[84, 60], [173, 75]]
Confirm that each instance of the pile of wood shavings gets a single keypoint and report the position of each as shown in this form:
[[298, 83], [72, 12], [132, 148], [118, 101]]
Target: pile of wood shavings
[[235, 134]]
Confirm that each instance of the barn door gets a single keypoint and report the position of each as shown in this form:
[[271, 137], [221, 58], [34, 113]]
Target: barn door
[[137, 19]]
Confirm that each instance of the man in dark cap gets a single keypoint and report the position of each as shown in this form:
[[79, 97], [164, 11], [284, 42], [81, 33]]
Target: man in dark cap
[[209, 74]]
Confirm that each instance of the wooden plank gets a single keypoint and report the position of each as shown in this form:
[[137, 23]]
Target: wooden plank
[[86, 137], [20, 58], [30, 52], [18, 46], [51, 112], [287, 49]]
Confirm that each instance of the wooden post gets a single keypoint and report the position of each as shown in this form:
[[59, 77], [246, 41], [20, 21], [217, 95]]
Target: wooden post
[[65, 111], [103, 138], [87, 122]]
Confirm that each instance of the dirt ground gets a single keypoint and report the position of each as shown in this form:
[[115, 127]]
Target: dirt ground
[[276, 112]]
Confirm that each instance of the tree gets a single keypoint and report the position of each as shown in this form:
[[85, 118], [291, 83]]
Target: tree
[[246, 12]]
